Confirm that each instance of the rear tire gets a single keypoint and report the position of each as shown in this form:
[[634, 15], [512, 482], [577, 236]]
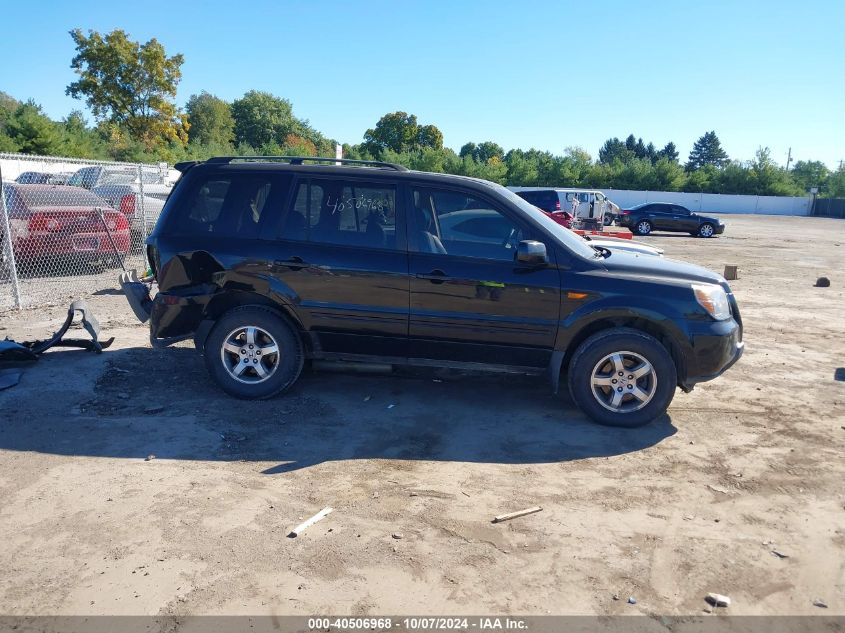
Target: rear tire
[[622, 377], [253, 354], [643, 227]]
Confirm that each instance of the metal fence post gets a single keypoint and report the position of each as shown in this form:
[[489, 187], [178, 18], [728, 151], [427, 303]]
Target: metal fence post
[[7, 244], [141, 201]]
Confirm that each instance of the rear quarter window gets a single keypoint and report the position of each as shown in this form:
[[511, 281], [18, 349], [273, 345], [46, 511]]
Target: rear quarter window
[[229, 204]]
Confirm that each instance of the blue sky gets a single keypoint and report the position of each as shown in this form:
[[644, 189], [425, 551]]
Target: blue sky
[[525, 74]]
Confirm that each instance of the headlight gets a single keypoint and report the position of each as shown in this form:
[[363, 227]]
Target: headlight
[[713, 299]]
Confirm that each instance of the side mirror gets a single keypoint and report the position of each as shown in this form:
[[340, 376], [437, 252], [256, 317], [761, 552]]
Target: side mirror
[[531, 253]]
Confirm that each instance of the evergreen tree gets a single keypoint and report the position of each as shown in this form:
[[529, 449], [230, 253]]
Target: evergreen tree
[[707, 151]]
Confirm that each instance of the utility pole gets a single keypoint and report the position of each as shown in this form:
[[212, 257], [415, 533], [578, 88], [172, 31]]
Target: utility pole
[[788, 159]]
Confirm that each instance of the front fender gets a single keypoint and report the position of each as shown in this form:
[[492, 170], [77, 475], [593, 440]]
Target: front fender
[[619, 309]]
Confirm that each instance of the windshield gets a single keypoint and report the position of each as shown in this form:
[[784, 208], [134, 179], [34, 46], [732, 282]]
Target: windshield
[[573, 241]]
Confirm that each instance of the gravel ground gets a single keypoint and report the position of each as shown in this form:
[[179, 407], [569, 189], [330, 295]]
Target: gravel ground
[[696, 502]]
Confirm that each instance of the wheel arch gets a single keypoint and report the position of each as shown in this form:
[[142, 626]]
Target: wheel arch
[[224, 302], [636, 322]]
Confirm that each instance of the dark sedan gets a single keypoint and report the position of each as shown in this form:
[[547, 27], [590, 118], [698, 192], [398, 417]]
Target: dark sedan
[[663, 216]]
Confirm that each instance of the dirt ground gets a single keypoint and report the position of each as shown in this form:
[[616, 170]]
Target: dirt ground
[[693, 503]]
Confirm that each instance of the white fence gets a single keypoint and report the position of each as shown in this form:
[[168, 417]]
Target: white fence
[[714, 202]]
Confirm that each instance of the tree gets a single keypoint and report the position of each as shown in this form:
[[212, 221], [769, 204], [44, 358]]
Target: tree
[[33, 132], [262, 118], [614, 149], [211, 120], [430, 137], [483, 152], [810, 173], [129, 84], [669, 152], [707, 150], [836, 183], [399, 132]]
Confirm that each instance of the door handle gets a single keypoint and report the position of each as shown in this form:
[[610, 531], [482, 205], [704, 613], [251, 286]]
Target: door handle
[[294, 263], [435, 276]]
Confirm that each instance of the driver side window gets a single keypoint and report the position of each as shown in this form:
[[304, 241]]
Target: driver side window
[[453, 223]]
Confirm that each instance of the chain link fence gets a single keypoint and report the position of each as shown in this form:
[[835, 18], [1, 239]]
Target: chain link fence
[[68, 225]]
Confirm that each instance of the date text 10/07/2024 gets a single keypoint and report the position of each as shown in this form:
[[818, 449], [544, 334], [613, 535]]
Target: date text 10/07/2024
[[419, 623]]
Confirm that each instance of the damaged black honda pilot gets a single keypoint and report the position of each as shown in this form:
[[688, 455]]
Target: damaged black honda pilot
[[269, 261]]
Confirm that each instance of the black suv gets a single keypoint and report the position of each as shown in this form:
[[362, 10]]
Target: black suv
[[267, 263], [644, 218]]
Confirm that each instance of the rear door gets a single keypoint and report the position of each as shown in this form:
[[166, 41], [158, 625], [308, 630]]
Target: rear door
[[341, 253], [470, 301], [661, 215]]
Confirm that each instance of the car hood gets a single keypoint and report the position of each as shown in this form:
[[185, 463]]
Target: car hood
[[659, 267], [630, 246]]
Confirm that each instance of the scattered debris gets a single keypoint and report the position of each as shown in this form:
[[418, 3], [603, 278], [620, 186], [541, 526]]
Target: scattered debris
[[149, 458], [414, 494], [299, 529], [375, 495], [464, 494], [688, 517], [707, 610], [822, 282], [632, 600], [397, 535], [153, 410], [514, 515], [820, 603], [731, 273], [616, 596], [779, 554], [718, 600], [724, 491]]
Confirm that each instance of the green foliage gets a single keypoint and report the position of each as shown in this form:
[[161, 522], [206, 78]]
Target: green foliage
[[32, 132], [262, 118], [615, 150], [707, 150], [130, 84], [399, 132], [211, 121], [810, 173], [836, 183]]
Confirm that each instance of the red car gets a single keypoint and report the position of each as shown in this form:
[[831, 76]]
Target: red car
[[561, 217], [51, 221]]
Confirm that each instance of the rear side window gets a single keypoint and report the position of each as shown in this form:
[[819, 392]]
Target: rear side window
[[345, 213], [228, 204]]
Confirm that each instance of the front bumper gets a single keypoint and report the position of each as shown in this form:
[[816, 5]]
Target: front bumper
[[715, 348], [719, 229]]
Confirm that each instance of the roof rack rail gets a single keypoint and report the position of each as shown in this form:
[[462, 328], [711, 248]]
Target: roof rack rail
[[298, 160]]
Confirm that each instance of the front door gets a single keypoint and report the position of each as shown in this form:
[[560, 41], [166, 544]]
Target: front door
[[470, 301], [342, 256]]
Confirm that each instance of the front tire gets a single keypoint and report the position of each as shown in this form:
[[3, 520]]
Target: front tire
[[253, 354], [622, 377], [643, 227], [706, 230]]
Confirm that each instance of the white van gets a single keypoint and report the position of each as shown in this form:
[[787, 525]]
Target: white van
[[591, 207]]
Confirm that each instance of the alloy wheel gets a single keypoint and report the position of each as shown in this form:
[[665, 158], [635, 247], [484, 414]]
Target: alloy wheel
[[250, 354], [623, 382]]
